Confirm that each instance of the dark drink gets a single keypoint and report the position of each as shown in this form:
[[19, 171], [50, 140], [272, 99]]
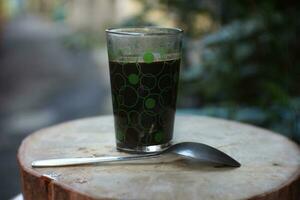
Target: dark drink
[[144, 70], [144, 102]]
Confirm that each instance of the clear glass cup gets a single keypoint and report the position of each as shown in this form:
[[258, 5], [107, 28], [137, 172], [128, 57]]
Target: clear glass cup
[[144, 68]]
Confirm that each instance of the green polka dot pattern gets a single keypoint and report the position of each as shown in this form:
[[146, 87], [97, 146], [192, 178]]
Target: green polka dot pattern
[[144, 101], [148, 57], [158, 136], [133, 79], [150, 103]]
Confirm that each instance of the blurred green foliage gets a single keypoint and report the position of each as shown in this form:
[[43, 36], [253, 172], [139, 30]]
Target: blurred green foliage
[[248, 53], [250, 63]]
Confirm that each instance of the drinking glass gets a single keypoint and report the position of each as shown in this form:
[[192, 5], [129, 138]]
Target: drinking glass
[[144, 66]]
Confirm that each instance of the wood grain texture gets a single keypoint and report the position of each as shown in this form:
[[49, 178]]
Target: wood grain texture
[[270, 164]]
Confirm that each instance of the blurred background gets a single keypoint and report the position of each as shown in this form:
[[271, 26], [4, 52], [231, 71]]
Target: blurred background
[[241, 61]]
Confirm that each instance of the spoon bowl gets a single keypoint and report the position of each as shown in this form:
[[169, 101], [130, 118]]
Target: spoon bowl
[[201, 153]]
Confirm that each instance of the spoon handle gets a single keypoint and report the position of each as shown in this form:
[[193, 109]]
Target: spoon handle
[[83, 161]]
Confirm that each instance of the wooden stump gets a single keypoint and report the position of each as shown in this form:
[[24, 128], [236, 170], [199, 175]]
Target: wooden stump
[[270, 164]]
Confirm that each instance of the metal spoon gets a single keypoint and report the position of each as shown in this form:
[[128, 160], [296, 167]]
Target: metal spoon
[[186, 150]]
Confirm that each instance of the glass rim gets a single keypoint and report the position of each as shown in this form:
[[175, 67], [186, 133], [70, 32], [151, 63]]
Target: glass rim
[[144, 31]]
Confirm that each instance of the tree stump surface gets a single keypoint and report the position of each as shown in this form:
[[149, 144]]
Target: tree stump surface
[[270, 164]]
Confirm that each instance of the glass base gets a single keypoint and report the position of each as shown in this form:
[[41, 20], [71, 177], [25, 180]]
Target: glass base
[[145, 149]]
